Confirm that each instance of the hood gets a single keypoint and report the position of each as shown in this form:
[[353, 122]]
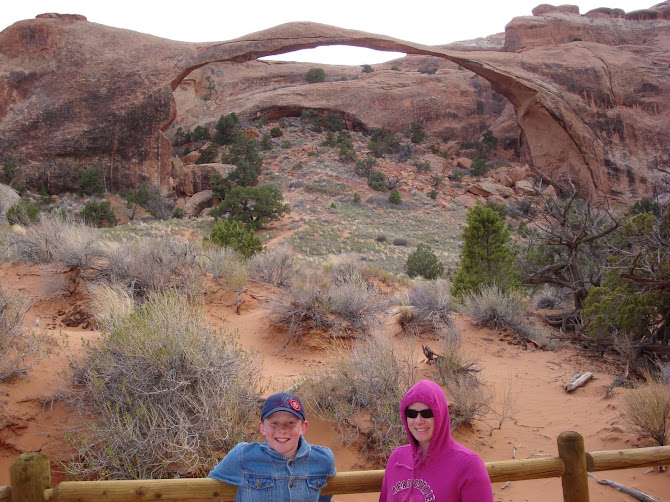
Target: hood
[[432, 395]]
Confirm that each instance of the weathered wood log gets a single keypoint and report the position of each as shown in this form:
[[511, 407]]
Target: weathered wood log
[[578, 382], [636, 494], [29, 475], [574, 480]]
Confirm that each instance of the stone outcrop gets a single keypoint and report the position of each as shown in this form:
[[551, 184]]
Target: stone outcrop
[[75, 94], [8, 197]]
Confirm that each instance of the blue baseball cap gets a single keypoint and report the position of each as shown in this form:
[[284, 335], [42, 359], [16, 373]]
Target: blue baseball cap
[[283, 402]]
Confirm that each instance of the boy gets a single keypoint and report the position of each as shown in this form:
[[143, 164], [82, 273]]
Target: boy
[[285, 466]]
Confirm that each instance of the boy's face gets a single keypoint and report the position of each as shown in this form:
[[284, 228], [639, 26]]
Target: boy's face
[[282, 431]]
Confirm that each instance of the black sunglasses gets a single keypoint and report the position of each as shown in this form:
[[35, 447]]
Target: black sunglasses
[[427, 413]]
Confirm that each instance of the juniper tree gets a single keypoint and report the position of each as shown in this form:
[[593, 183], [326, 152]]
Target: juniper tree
[[486, 257]]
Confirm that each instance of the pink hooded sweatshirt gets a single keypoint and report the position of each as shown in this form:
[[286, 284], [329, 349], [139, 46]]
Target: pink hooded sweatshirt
[[449, 473]]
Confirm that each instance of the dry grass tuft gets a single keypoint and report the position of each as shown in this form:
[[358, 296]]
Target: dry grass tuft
[[426, 308], [20, 349], [349, 309], [108, 301], [647, 411], [159, 386], [277, 265]]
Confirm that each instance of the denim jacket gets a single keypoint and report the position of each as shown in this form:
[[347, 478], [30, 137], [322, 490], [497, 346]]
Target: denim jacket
[[263, 475]]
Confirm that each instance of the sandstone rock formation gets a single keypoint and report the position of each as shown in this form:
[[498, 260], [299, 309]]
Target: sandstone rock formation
[[75, 94], [8, 197]]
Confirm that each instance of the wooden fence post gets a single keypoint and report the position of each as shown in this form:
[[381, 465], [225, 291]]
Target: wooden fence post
[[575, 480], [30, 475]]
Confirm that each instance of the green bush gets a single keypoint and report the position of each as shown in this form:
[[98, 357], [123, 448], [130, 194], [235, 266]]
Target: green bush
[[315, 75], [235, 235], [382, 141], [226, 133], [433, 194], [99, 214], [367, 68], [253, 206], [646, 205], [424, 262], [417, 132], [394, 197], [486, 257], [179, 213], [276, 132], [428, 70], [456, 175], [23, 213], [422, 166], [91, 182], [208, 155], [265, 143], [479, 167], [200, 133], [357, 198], [395, 68], [364, 166], [378, 181]]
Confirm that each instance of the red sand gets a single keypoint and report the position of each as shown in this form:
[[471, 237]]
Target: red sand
[[29, 422]]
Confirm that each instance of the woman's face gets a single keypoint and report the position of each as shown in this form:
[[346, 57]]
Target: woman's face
[[420, 427]]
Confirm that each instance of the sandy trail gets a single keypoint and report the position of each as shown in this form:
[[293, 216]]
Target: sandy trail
[[31, 421]]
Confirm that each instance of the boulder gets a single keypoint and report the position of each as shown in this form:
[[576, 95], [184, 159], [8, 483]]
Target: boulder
[[437, 162], [198, 202], [463, 163], [549, 192], [8, 197], [466, 200], [525, 187], [503, 179], [519, 173], [194, 178], [485, 189]]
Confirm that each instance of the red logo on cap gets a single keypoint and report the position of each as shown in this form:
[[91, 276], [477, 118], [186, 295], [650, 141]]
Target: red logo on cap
[[295, 404]]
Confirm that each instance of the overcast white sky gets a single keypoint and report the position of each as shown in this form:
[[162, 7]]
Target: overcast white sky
[[430, 22]]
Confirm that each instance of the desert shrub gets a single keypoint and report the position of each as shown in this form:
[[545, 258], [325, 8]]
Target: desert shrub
[[498, 208], [255, 207], [357, 198], [159, 385], [152, 264], [360, 395], [422, 166], [647, 411], [364, 166], [99, 214], [456, 174], [108, 300], [20, 348], [54, 239], [431, 307], [395, 68], [200, 133], [378, 181], [276, 132], [276, 265], [91, 182], [383, 141], [424, 262], [315, 75], [223, 262], [479, 167], [367, 68], [394, 197], [345, 268], [23, 213], [469, 399], [428, 70], [315, 303], [400, 241], [646, 205], [235, 235], [208, 155], [266, 143], [286, 144], [226, 131], [496, 308], [417, 132], [179, 213], [433, 194]]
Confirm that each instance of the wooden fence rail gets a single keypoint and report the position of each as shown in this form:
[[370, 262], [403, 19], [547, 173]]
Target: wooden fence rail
[[30, 477]]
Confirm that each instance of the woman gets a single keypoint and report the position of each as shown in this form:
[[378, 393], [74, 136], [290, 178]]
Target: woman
[[432, 466]]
